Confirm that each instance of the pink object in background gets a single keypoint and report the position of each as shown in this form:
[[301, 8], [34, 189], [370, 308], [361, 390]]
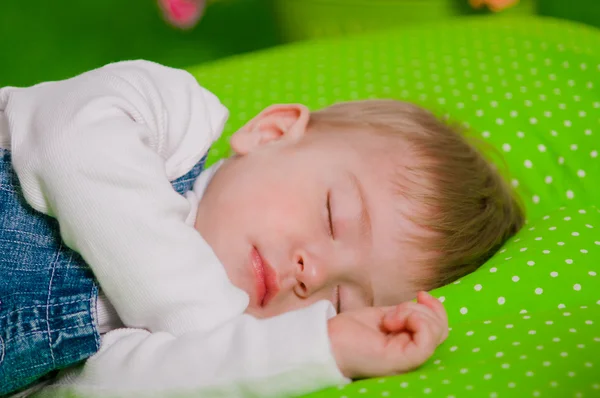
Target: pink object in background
[[183, 14]]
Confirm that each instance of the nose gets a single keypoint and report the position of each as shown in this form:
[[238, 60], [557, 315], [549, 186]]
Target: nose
[[311, 275]]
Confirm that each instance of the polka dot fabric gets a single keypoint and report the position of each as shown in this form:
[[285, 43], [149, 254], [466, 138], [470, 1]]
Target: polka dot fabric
[[527, 323]]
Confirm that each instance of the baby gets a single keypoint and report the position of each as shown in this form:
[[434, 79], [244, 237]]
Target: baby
[[286, 268]]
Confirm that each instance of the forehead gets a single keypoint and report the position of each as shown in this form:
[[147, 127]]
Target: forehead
[[397, 253], [385, 168]]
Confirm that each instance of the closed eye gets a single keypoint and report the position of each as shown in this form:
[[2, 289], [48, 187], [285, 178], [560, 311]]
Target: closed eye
[[330, 219]]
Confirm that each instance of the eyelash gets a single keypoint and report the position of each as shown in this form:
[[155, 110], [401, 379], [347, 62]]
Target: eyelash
[[339, 301], [331, 232]]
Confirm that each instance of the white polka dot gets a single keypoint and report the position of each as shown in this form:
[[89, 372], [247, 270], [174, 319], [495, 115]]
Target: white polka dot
[[594, 154], [492, 338], [476, 349], [500, 121], [506, 147], [592, 273], [515, 278], [494, 269], [520, 134], [529, 373], [532, 332], [535, 199], [577, 287], [478, 287], [581, 173], [539, 290], [575, 233], [570, 194], [509, 326], [554, 274], [531, 263], [546, 363], [569, 261], [561, 306], [561, 160], [546, 251], [528, 163], [505, 366], [442, 299], [501, 300]]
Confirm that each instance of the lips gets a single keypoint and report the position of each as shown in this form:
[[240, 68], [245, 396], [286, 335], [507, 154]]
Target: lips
[[267, 285]]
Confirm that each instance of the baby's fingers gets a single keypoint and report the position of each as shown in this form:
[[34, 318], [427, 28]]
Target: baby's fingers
[[413, 347], [438, 309]]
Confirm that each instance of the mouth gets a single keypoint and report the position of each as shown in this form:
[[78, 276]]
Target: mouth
[[266, 278]]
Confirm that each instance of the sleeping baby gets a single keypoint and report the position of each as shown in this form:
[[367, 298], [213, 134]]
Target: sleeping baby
[[288, 267]]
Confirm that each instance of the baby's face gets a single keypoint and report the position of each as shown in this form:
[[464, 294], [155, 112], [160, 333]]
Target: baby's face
[[295, 221]]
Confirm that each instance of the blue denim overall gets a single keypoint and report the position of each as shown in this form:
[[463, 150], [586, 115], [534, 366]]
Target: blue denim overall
[[47, 292]]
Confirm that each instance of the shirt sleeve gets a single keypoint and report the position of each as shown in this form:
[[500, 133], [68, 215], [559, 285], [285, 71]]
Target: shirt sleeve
[[287, 355], [97, 152]]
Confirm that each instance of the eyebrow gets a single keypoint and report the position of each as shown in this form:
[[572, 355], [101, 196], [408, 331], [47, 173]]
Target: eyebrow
[[365, 218]]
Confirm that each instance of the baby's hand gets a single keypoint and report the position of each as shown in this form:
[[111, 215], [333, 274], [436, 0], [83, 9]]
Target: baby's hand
[[388, 340]]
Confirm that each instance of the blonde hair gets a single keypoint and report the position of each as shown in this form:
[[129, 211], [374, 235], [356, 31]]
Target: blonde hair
[[465, 201]]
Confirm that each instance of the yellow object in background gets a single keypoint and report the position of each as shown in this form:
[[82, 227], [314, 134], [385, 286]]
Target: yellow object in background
[[494, 5], [308, 19]]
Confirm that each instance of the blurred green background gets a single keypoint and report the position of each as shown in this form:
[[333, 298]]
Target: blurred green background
[[46, 40]]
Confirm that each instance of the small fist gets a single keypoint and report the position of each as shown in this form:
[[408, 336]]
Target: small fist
[[384, 341]]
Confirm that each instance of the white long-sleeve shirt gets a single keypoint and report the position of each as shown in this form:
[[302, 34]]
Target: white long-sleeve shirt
[[97, 152]]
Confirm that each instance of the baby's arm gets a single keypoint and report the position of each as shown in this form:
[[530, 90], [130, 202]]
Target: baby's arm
[[287, 355], [97, 152]]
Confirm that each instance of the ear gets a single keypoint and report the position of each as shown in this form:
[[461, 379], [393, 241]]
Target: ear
[[282, 121]]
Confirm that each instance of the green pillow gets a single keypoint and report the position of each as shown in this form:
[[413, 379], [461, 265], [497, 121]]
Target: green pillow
[[527, 323]]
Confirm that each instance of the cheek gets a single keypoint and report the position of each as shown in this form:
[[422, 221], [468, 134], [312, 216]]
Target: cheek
[[281, 212]]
